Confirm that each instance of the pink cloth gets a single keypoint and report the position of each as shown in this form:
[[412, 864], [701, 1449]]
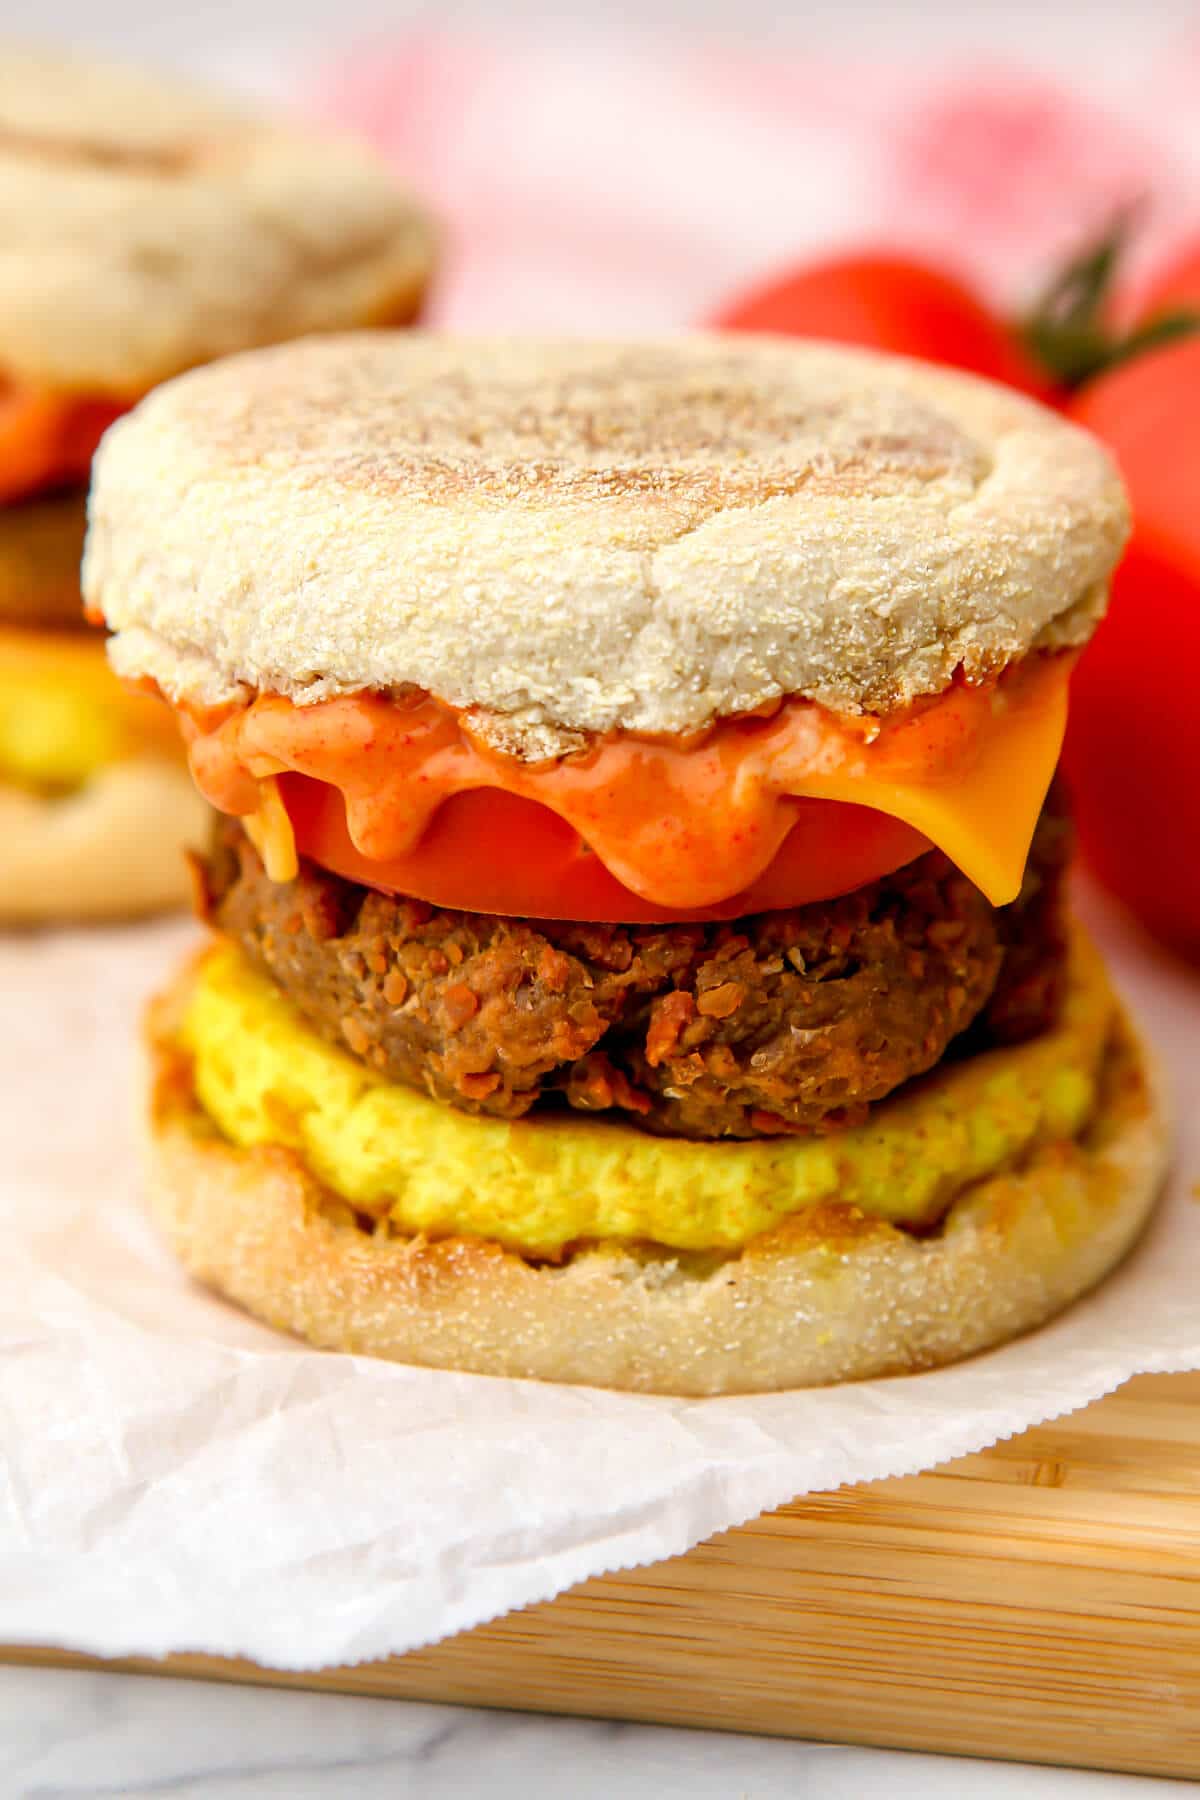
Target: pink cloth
[[592, 186]]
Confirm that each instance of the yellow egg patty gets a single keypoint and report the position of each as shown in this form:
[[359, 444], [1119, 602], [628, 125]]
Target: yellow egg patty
[[539, 1184], [64, 714]]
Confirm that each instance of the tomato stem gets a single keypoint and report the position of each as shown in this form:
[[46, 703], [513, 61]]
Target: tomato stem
[[1070, 332]]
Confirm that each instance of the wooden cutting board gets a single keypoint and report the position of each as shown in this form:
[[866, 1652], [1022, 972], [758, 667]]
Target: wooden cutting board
[[1039, 1601]]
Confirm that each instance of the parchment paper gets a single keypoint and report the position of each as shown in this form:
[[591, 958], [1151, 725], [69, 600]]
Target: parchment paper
[[177, 1478]]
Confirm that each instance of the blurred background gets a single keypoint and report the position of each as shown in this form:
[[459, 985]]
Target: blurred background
[[1057, 30], [626, 166]]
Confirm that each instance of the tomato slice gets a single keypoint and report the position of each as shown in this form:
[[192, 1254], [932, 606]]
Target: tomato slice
[[489, 851], [47, 438]]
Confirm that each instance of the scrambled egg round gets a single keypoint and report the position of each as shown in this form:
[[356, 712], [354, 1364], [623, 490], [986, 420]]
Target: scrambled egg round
[[539, 1184], [64, 714]]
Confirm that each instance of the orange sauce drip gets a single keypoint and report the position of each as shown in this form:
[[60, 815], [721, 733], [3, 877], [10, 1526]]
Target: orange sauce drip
[[684, 824]]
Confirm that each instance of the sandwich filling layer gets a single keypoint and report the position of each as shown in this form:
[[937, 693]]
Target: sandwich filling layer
[[407, 1164], [756, 812], [783, 1022], [48, 439], [41, 542]]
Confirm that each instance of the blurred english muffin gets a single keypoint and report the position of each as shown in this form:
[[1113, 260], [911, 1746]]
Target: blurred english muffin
[[145, 226]]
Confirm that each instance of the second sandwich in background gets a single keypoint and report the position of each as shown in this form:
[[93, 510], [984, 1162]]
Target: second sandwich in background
[[147, 226]]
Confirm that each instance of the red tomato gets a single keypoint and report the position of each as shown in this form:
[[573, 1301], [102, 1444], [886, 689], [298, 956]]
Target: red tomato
[[1133, 746], [888, 303], [488, 851], [1176, 288]]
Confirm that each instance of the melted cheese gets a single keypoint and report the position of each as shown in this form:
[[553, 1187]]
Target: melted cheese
[[684, 825], [982, 814], [270, 831]]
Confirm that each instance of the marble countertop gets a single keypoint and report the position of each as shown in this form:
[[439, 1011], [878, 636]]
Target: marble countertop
[[68, 1736]]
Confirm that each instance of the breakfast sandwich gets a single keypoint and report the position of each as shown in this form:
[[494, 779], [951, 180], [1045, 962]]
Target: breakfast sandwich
[[640, 946], [146, 227]]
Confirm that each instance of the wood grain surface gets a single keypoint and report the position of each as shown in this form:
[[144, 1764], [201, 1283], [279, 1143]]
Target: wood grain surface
[[1039, 1601]]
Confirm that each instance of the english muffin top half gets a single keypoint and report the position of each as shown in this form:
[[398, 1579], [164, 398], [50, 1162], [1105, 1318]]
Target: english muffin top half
[[582, 537]]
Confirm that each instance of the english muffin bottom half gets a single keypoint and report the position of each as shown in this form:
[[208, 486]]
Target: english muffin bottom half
[[149, 226], [639, 946]]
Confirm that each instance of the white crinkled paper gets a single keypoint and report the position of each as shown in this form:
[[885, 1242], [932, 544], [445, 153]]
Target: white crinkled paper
[[176, 1477]]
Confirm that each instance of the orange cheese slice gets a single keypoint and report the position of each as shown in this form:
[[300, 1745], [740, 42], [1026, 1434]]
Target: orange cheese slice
[[983, 808]]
